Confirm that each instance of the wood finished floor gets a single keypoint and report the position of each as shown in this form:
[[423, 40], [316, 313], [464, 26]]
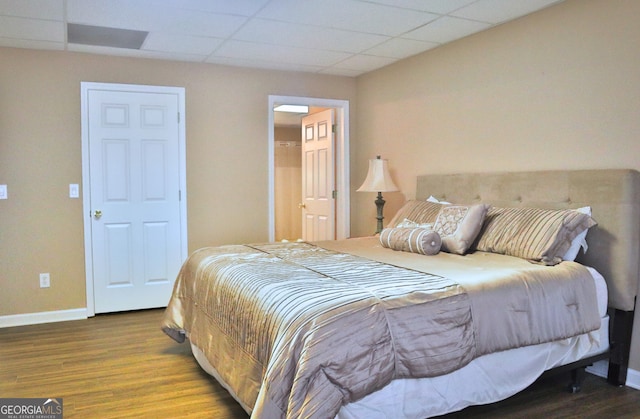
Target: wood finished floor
[[123, 366]]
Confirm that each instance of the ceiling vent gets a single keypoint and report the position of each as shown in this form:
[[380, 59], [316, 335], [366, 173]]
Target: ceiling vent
[[105, 37]]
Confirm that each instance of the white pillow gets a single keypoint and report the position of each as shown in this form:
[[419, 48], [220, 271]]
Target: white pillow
[[436, 200], [579, 241]]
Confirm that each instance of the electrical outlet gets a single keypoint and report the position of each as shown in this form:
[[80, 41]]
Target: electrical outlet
[[45, 280]]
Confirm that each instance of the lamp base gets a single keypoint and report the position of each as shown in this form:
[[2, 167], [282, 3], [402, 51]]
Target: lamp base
[[379, 204]]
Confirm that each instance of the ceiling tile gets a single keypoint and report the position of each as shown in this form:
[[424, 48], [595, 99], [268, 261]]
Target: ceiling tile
[[31, 29], [236, 7], [41, 9], [158, 41], [262, 64], [346, 72], [276, 53], [350, 15], [113, 14], [364, 62], [400, 48], [433, 6], [307, 36], [497, 11], [203, 24], [123, 52], [446, 29]]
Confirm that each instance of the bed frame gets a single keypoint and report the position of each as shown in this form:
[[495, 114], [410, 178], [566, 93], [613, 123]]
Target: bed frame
[[614, 244]]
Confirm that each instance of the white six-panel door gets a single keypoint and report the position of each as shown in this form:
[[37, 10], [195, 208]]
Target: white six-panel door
[[136, 217], [318, 177]]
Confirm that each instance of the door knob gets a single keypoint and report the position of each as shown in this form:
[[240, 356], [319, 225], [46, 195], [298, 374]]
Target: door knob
[[301, 205], [97, 214]]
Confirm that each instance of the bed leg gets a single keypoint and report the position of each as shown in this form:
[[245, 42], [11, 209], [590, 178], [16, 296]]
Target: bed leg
[[577, 377], [620, 346]]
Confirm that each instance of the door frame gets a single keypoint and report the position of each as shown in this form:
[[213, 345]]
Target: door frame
[[343, 200], [85, 87]]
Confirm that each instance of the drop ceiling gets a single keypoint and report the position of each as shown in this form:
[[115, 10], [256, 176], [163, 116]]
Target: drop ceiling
[[337, 37]]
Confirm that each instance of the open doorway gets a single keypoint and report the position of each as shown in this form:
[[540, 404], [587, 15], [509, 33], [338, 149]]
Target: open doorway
[[342, 206], [287, 176]]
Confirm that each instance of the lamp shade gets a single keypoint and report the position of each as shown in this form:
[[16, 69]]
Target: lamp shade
[[378, 178]]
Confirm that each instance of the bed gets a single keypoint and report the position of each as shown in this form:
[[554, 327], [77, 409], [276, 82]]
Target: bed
[[368, 328]]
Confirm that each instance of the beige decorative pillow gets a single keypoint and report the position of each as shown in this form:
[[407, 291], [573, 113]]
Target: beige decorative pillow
[[539, 235], [407, 223], [419, 212], [416, 240], [459, 225]]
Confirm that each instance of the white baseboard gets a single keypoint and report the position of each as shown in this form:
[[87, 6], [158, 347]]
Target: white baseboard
[[601, 369], [43, 317], [633, 379]]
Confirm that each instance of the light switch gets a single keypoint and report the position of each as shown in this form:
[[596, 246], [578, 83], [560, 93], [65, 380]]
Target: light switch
[[74, 190], [3, 192]]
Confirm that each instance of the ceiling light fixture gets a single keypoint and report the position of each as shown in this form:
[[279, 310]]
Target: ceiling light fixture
[[292, 108]]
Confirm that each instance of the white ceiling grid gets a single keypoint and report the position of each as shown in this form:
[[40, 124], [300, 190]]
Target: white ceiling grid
[[339, 37]]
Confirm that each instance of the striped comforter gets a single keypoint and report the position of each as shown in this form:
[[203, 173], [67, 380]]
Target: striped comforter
[[296, 330]]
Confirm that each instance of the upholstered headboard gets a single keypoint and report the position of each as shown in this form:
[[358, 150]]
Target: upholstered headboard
[[613, 195]]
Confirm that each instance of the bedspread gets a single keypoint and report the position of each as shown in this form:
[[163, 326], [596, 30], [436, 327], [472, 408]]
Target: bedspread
[[297, 330]]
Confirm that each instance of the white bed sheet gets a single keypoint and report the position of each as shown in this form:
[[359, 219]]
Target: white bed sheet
[[486, 379]]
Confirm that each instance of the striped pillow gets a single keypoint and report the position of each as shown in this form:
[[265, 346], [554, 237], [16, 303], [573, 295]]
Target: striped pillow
[[539, 235], [419, 212], [416, 240]]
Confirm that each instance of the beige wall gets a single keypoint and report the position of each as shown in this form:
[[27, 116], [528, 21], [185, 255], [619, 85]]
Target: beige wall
[[41, 228], [559, 89]]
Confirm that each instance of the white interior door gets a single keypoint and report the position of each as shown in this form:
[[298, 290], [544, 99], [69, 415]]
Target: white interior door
[[318, 177], [135, 191]]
